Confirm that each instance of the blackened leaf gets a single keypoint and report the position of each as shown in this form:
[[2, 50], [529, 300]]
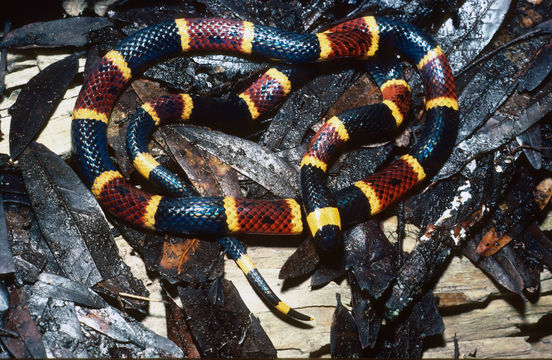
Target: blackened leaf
[[367, 317], [344, 341], [216, 293], [496, 132], [149, 15], [304, 108], [420, 266], [29, 343], [479, 20], [511, 268], [286, 16], [488, 89], [514, 215], [38, 100], [59, 229], [529, 269], [426, 317], [116, 135], [71, 220], [252, 160], [108, 321], [61, 331], [404, 338], [31, 252], [202, 75], [532, 138], [484, 89], [370, 257], [12, 187], [190, 259], [258, 344], [149, 246], [84, 219], [302, 262], [124, 282], [57, 287], [331, 267], [208, 175], [219, 331], [493, 266], [538, 70], [538, 245], [123, 329], [56, 33], [177, 329], [6, 257]]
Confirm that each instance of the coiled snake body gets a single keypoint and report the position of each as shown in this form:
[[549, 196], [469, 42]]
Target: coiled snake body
[[359, 38]]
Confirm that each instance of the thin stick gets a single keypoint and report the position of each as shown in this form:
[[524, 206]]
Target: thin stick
[[138, 297]]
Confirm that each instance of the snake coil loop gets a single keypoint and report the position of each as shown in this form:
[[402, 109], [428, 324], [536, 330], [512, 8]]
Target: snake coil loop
[[358, 38]]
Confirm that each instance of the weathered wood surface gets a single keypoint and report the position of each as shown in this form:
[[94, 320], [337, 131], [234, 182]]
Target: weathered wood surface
[[485, 320], [461, 284]]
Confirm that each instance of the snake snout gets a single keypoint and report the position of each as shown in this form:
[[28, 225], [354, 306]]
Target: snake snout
[[329, 238]]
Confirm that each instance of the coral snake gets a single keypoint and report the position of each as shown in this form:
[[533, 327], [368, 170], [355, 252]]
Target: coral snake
[[326, 212]]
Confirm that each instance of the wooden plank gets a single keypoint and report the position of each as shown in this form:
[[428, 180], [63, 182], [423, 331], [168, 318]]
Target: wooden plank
[[505, 347], [462, 283], [499, 319], [487, 322]]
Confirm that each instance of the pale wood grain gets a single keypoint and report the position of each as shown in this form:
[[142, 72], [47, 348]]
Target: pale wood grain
[[487, 322]]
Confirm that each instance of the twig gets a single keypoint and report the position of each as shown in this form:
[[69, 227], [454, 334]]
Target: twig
[[138, 297]]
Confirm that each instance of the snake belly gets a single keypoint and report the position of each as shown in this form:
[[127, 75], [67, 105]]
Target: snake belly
[[360, 38]]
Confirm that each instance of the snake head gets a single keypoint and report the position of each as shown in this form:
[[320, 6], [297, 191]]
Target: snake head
[[329, 238]]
